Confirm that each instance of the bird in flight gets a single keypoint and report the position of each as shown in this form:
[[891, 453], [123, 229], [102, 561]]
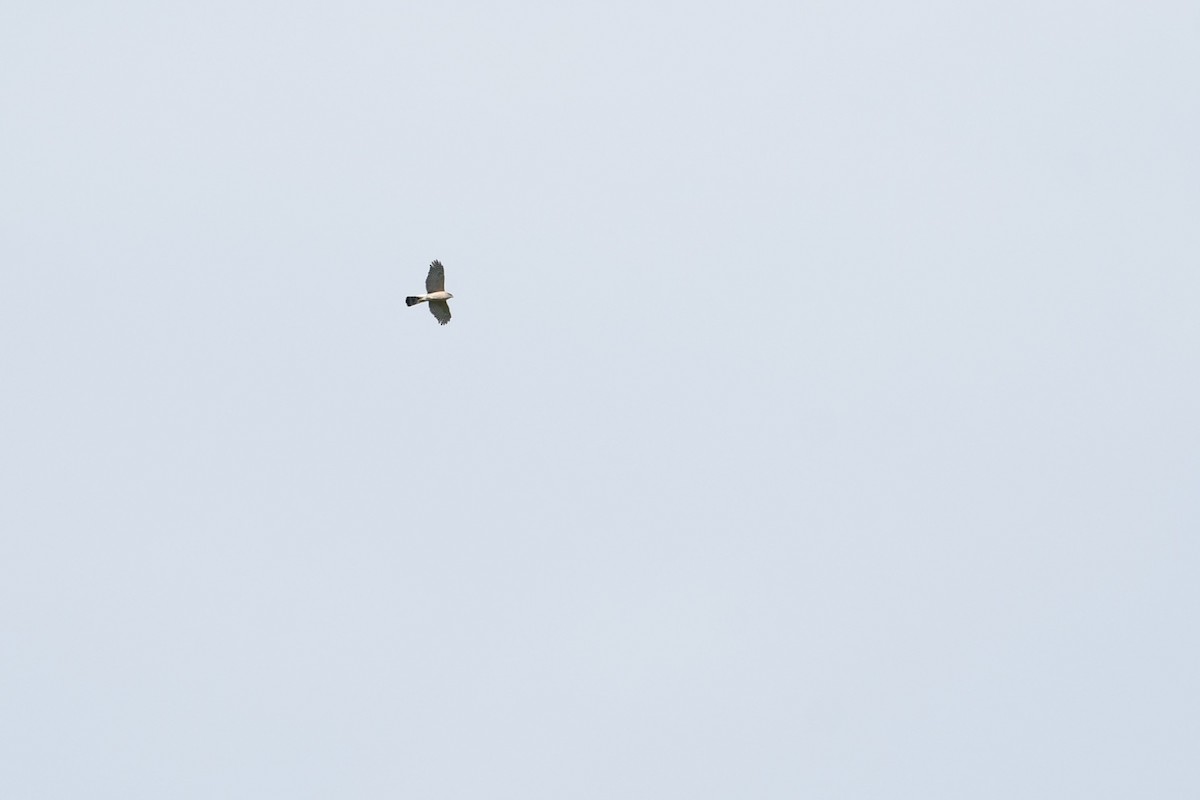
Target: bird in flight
[[435, 293]]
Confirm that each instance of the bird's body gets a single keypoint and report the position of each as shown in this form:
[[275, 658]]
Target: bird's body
[[435, 294], [424, 298]]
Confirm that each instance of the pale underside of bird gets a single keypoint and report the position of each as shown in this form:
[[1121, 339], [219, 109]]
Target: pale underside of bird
[[435, 294]]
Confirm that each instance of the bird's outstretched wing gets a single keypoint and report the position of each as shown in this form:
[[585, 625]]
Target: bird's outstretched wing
[[440, 310], [435, 281]]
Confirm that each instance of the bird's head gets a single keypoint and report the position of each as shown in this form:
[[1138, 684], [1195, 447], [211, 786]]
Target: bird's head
[[449, 296]]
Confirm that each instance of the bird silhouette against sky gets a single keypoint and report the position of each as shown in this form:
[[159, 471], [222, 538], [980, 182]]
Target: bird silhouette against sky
[[435, 293]]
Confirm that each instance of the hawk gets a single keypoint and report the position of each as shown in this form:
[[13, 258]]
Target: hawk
[[435, 294]]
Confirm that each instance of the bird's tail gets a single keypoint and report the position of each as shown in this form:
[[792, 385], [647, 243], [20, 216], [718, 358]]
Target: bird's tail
[[412, 301]]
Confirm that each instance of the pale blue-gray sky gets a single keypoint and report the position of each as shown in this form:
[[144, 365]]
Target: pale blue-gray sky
[[818, 417]]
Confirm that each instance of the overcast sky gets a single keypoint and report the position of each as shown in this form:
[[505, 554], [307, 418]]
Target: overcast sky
[[819, 416]]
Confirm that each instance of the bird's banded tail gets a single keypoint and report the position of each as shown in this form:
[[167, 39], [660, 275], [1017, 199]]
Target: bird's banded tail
[[412, 301]]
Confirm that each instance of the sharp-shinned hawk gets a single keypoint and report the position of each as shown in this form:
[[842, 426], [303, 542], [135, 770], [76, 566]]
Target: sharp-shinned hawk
[[435, 293]]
